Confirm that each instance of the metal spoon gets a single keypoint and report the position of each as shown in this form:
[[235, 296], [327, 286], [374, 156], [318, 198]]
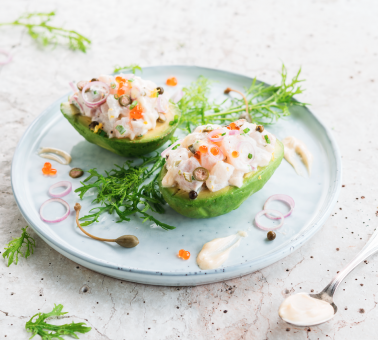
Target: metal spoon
[[327, 293]]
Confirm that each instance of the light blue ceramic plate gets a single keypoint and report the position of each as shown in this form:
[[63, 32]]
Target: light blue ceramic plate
[[154, 260]]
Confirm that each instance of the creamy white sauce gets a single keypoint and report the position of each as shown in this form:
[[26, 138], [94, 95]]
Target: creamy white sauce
[[217, 251], [303, 310], [51, 153], [116, 119], [238, 154], [295, 146]]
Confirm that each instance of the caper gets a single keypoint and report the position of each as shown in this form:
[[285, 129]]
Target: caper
[[127, 241], [93, 124], [271, 235], [80, 85], [162, 118], [201, 174], [124, 100], [160, 90], [259, 128], [76, 173], [94, 79], [191, 148], [193, 195]]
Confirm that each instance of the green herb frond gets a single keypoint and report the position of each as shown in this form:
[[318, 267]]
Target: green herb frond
[[123, 190], [39, 28], [132, 68], [41, 328], [14, 248]]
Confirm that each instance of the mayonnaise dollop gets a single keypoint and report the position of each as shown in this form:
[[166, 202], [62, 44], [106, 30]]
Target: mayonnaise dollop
[[217, 251], [303, 310], [294, 145], [144, 105], [227, 154]]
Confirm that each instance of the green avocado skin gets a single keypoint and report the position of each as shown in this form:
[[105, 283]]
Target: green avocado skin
[[211, 204], [120, 146]]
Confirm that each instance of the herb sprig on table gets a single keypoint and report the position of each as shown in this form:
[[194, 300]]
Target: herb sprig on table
[[14, 248], [39, 28], [266, 104], [123, 191], [39, 326]]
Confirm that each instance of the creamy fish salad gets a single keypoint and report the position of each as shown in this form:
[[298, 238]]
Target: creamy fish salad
[[124, 106], [214, 157]]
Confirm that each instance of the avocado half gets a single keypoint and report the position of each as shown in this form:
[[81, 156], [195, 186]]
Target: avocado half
[[211, 204], [149, 142]]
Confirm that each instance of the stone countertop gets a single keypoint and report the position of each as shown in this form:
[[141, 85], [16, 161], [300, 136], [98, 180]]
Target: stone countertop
[[335, 43]]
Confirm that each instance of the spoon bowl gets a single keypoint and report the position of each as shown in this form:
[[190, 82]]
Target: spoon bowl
[[328, 292]]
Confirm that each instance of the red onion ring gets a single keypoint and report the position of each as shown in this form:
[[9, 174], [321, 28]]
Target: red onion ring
[[233, 132], [162, 104], [280, 197], [66, 184], [101, 101], [7, 54], [177, 96], [58, 219], [164, 153], [73, 87], [265, 212], [215, 132]]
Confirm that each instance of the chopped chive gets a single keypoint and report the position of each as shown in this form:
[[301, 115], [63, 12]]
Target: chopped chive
[[246, 130], [267, 139], [121, 129], [223, 133], [130, 80], [133, 104], [250, 156], [102, 133], [94, 92], [175, 147]]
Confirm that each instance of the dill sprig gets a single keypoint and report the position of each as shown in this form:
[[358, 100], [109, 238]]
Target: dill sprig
[[132, 68], [123, 190], [39, 28], [41, 328], [266, 104], [14, 247]]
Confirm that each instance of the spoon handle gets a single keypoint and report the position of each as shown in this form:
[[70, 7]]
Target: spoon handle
[[370, 248]]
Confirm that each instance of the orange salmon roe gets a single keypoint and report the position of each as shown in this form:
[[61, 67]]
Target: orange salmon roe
[[184, 254], [47, 170], [214, 151], [235, 154], [120, 79], [203, 148], [172, 81], [120, 91], [197, 155], [136, 112]]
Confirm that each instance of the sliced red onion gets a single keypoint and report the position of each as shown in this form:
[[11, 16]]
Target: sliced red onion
[[73, 87], [269, 211], [66, 184], [177, 96], [101, 101], [162, 104], [280, 197], [58, 219], [233, 132], [164, 153], [7, 54], [213, 133]]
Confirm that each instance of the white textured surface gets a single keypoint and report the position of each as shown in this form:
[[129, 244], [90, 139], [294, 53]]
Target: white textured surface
[[336, 44]]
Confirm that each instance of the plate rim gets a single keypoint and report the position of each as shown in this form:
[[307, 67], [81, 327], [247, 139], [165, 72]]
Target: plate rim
[[271, 257]]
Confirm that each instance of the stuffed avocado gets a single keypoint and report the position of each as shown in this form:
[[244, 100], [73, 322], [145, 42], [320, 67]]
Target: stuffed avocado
[[123, 114], [215, 169]]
